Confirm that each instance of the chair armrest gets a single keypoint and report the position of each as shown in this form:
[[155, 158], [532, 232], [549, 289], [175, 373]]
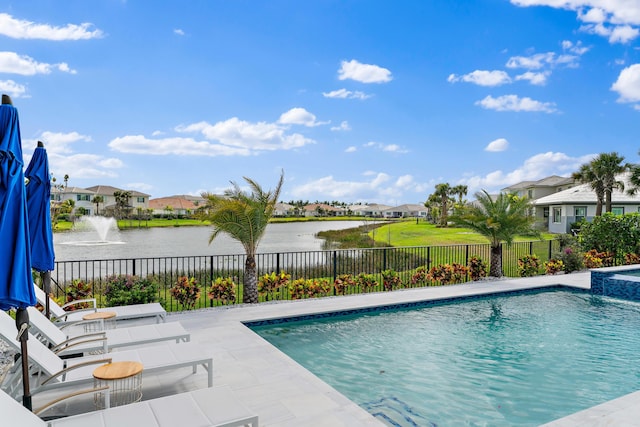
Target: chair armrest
[[81, 301], [77, 365], [79, 340], [68, 396]]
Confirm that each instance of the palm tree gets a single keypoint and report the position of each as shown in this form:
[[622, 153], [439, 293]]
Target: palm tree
[[442, 197], [610, 165], [97, 200], [588, 175], [600, 174], [244, 217], [499, 220], [460, 191]]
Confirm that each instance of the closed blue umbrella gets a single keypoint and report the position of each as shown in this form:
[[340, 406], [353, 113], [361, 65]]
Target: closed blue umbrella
[[16, 284], [39, 212]]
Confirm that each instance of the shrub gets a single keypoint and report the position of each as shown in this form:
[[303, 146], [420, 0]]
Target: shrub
[[126, 290], [186, 291], [631, 258], [391, 280], [571, 259], [272, 282], [529, 266], [77, 290], [477, 268], [553, 266], [446, 274], [420, 277], [309, 288], [223, 289], [595, 259], [343, 283], [367, 282]]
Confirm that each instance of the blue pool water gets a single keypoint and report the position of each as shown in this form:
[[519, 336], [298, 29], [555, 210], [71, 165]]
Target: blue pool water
[[519, 360]]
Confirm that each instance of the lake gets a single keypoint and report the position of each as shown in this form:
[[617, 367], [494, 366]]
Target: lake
[[189, 241]]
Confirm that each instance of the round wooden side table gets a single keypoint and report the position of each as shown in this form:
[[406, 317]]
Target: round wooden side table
[[101, 320], [124, 380]]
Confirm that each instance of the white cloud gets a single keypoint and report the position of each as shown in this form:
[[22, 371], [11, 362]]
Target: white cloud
[[22, 29], [178, 32], [393, 148], [534, 168], [138, 144], [615, 19], [140, 186], [499, 144], [11, 62], [299, 116], [628, 84], [351, 149], [343, 190], [364, 73], [538, 79], [344, 126], [515, 103], [232, 137], [404, 181], [482, 78], [346, 94], [13, 89], [64, 161]]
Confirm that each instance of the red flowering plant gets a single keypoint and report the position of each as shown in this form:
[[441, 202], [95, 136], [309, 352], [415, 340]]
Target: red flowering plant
[[77, 290], [446, 274], [309, 288], [270, 283], [367, 282], [477, 268], [553, 266]]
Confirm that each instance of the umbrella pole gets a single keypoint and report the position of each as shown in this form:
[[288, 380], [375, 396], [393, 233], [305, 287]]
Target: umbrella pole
[[22, 323], [46, 286]]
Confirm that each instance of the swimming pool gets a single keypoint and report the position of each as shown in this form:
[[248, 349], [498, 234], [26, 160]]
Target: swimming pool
[[523, 359]]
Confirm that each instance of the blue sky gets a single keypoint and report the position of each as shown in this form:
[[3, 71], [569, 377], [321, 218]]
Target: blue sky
[[356, 100]]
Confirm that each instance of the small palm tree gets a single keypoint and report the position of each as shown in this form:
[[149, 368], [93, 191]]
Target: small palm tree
[[600, 174], [499, 220], [442, 198], [244, 217], [96, 201]]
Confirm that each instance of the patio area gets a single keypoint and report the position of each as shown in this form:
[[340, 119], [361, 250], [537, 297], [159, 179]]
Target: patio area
[[282, 393]]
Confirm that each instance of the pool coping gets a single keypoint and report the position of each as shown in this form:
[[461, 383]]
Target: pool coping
[[283, 393]]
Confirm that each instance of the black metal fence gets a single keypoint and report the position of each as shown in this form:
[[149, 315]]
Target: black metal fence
[[308, 265]]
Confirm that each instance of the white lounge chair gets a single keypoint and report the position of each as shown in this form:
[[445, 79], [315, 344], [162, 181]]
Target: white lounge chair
[[49, 371], [216, 407], [123, 312], [63, 344]]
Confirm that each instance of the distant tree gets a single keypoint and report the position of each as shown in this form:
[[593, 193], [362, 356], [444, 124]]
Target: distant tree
[[499, 220], [460, 191], [442, 198], [96, 201], [243, 217], [588, 175], [122, 203], [601, 174]]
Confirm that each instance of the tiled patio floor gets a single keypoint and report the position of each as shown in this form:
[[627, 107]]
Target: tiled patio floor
[[283, 393]]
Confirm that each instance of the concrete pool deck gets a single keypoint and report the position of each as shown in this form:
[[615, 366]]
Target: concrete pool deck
[[282, 393]]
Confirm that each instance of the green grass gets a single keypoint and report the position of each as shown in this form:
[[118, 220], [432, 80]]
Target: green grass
[[422, 233]]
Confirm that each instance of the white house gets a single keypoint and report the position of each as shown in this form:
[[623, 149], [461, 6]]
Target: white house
[[558, 211]]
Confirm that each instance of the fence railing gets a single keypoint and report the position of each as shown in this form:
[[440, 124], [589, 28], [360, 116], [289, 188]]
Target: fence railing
[[328, 264]]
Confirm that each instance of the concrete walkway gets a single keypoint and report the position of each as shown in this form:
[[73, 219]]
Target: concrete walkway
[[282, 392]]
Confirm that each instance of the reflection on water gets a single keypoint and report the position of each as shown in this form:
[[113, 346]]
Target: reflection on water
[[189, 241]]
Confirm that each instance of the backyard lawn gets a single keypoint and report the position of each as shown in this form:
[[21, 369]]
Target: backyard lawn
[[422, 233]]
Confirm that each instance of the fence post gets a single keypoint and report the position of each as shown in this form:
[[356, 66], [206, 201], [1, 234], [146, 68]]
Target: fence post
[[278, 263], [550, 248], [384, 259], [335, 265]]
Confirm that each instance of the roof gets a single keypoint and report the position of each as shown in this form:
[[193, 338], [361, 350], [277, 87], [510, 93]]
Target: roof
[[583, 193], [550, 181], [407, 208], [109, 191], [174, 202]]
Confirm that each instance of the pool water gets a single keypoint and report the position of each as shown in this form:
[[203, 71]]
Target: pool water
[[519, 360]]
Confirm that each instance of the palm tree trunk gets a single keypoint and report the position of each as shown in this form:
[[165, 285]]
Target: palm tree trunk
[[495, 269], [250, 294]]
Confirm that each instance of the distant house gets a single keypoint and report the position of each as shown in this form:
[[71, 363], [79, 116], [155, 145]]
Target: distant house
[[138, 199], [81, 197], [558, 211], [175, 205], [322, 209], [406, 211], [283, 209], [540, 188]]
